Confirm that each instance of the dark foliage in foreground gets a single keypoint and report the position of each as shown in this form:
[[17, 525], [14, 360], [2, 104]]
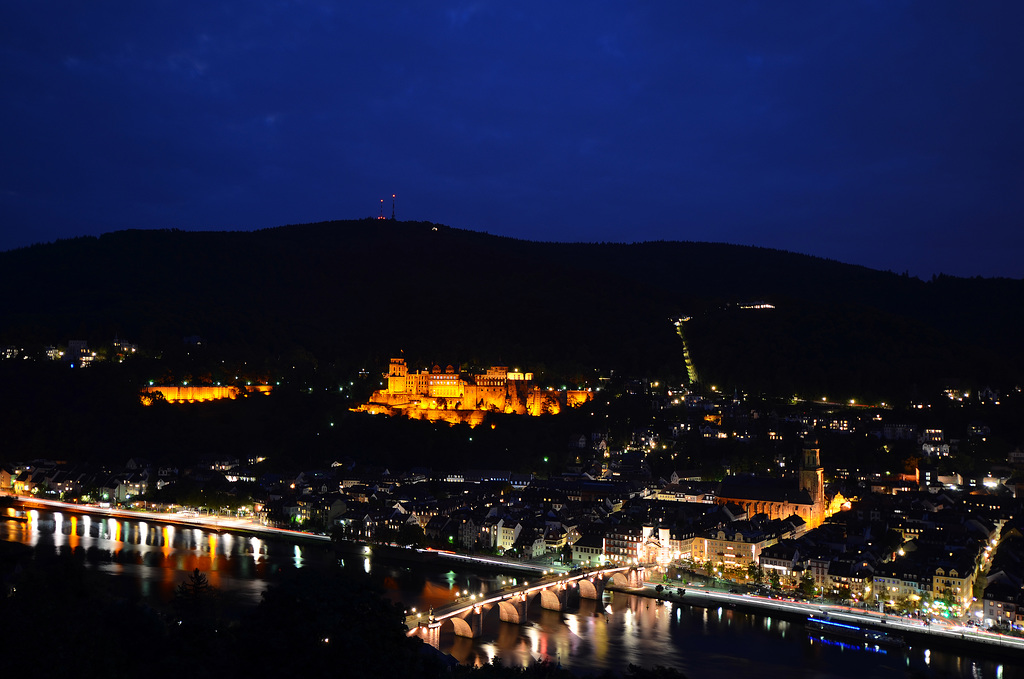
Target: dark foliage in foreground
[[548, 670], [63, 618]]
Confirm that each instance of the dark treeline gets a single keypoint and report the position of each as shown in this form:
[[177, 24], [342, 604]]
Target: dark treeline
[[95, 415], [350, 294]]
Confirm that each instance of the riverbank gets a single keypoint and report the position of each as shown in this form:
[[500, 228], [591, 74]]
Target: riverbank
[[432, 557], [590, 639], [219, 524], [956, 638], [246, 527]]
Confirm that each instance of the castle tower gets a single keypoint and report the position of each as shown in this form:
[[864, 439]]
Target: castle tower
[[397, 374], [812, 479]]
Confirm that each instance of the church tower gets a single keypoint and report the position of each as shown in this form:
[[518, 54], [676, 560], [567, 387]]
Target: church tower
[[812, 479]]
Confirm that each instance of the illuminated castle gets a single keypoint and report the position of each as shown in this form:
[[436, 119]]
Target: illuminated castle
[[196, 394], [443, 394]]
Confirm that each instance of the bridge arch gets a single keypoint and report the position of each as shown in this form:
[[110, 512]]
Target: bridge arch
[[464, 619], [618, 580], [548, 599], [588, 590], [458, 625], [506, 611]]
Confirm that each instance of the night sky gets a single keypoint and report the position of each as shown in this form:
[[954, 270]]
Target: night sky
[[884, 133]]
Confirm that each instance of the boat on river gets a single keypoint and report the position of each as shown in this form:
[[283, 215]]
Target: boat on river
[[855, 633]]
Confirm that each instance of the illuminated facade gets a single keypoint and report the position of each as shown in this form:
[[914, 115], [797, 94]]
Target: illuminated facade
[[191, 394], [731, 548], [780, 498], [443, 394]]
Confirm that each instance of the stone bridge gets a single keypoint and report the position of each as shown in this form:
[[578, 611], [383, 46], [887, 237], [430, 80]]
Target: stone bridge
[[466, 618]]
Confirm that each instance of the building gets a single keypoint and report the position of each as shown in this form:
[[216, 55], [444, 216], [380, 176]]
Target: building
[[6, 480], [78, 354], [955, 579], [506, 532], [780, 498], [445, 394], [589, 551], [1003, 605], [781, 558], [733, 547], [198, 394]]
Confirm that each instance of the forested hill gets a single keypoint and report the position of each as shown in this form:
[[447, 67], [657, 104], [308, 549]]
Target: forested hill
[[353, 293]]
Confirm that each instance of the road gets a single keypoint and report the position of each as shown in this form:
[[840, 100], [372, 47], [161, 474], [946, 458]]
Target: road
[[234, 524], [214, 522], [702, 596]]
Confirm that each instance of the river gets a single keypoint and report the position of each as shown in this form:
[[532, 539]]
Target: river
[[151, 558]]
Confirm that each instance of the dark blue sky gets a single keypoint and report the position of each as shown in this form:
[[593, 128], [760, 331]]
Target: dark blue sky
[[883, 133]]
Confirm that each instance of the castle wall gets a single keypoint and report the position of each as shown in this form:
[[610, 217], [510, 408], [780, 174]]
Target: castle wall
[[196, 394], [446, 396]]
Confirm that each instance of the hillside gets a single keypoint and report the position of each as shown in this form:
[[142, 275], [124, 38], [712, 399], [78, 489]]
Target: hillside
[[353, 293]]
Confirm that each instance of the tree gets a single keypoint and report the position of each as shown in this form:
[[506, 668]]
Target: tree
[[196, 588], [774, 580], [56, 592], [807, 584], [411, 534], [311, 622], [194, 600], [904, 604], [756, 573]]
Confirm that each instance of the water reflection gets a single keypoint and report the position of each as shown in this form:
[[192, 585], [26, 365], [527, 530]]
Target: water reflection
[[154, 557], [590, 637], [593, 637]]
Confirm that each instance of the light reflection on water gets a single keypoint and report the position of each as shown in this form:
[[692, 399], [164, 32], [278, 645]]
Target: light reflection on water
[[156, 557], [590, 637]]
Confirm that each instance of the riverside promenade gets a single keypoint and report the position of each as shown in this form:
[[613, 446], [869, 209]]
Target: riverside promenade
[[249, 527], [914, 631], [207, 521]]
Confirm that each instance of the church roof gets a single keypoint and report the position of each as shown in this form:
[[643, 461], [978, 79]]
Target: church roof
[[763, 489]]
